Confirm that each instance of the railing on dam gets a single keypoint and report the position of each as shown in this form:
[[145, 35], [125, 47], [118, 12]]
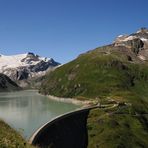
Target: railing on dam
[[65, 131]]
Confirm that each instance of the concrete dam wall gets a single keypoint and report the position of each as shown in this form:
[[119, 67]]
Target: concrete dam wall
[[66, 131]]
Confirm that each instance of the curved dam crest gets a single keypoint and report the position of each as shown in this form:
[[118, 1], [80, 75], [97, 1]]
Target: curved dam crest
[[65, 131]]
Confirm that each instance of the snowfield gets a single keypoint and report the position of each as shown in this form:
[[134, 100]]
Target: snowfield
[[20, 60]]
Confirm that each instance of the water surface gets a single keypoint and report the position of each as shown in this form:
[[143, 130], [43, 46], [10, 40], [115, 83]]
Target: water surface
[[27, 110]]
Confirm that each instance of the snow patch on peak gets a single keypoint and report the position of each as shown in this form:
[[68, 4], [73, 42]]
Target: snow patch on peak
[[25, 66], [20, 60], [119, 36], [45, 59], [144, 39], [124, 38], [138, 31], [129, 38]]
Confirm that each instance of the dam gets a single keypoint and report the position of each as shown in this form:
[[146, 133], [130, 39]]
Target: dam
[[65, 131]]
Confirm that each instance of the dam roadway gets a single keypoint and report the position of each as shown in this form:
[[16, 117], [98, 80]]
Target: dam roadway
[[65, 131]]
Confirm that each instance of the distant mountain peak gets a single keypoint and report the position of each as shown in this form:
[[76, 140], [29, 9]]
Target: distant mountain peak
[[24, 66], [142, 30], [30, 53]]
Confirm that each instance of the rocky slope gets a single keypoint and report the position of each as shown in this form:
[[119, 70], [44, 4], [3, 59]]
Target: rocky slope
[[6, 84], [116, 77], [137, 42], [25, 67]]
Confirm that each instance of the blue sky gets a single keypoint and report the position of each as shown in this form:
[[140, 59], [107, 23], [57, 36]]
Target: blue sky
[[63, 29]]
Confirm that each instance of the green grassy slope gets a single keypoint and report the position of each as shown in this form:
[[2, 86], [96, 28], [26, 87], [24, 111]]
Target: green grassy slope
[[10, 138], [117, 128], [92, 75], [107, 74]]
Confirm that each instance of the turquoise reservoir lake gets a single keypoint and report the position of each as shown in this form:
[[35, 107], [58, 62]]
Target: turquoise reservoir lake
[[27, 110]]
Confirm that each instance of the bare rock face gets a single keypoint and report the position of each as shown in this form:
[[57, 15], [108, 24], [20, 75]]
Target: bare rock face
[[30, 57], [6, 84], [136, 42], [25, 66]]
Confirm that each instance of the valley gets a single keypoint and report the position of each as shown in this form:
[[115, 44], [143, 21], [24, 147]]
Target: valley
[[73, 74], [114, 77]]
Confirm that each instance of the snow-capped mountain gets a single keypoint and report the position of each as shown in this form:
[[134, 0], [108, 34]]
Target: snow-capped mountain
[[138, 42], [141, 34], [25, 66], [20, 60]]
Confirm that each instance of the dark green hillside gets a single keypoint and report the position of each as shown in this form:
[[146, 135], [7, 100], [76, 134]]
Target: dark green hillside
[[116, 78], [119, 127], [6, 84]]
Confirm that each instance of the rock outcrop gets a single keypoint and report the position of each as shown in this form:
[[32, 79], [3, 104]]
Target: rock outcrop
[[136, 42], [6, 84]]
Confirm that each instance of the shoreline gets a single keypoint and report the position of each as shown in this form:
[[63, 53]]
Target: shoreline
[[70, 100]]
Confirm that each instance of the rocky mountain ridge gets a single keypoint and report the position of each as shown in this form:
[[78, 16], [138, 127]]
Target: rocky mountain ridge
[[137, 42], [24, 67]]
